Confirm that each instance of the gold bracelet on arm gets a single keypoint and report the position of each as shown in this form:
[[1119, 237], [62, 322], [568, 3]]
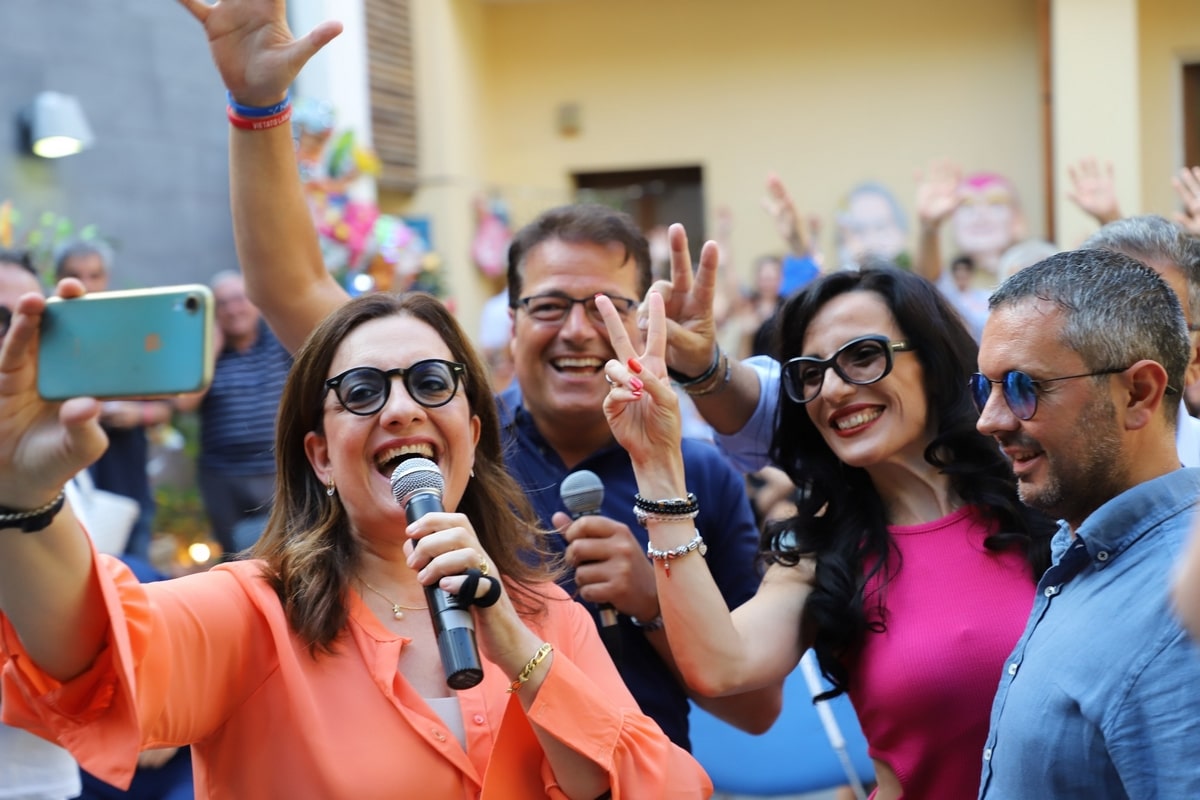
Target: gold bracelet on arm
[[527, 671]]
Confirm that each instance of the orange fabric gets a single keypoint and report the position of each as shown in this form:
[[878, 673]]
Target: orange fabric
[[209, 660]]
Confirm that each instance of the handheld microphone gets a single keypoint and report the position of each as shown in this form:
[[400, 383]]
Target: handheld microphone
[[417, 485], [582, 492]]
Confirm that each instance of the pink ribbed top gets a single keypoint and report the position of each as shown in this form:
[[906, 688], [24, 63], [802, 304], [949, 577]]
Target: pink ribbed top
[[923, 689]]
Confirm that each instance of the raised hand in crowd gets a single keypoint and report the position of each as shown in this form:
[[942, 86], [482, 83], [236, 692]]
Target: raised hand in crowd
[[258, 59], [1093, 189], [938, 195], [1187, 186], [795, 231], [691, 345]]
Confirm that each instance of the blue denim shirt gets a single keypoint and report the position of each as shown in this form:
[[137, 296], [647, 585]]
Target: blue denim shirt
[[726, 522], [1101, 696]]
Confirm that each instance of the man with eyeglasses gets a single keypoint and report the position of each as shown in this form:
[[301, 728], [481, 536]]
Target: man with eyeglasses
[[1080, 368], [552, 417]]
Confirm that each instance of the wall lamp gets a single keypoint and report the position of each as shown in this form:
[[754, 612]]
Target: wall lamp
[[54, 125]]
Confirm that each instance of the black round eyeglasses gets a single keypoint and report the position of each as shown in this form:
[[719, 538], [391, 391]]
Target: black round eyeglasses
[[364, 390], [861, 361]]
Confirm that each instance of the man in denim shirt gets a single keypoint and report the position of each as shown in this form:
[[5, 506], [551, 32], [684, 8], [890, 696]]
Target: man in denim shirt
[[1081, 364]]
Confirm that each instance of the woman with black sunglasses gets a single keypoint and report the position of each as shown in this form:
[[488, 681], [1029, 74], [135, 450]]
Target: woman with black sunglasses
[[910, 566]]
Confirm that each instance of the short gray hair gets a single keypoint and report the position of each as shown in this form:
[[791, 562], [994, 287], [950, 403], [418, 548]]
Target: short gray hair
[[78, 248], [222, 276], [1118, 311], [1152, 240]]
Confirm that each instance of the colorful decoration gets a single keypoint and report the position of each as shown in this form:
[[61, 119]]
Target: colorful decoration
[[365, 249], [6, 226], [41, 238], [492, 236]]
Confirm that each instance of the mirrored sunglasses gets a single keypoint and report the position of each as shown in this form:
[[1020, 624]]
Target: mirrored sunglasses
[[1021, 391]]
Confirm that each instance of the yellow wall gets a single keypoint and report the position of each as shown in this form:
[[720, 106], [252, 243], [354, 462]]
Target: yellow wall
[[1095, 90], [447, 42], [1169, 38], [827, 94]]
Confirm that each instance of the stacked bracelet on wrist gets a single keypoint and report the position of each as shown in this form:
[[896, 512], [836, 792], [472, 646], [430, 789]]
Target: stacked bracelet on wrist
[[667, 556], [645, 517], [259, 118], [674, 507], [672, 510], [714, 379]]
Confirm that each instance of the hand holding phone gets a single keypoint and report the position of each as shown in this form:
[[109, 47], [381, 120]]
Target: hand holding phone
[[141, 343]]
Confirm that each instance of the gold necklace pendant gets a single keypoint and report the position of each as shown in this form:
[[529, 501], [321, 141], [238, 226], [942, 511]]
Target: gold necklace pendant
[[397, 608]]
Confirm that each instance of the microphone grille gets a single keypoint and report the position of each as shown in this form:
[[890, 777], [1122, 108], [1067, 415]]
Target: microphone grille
[[416, 475], [582, 492]]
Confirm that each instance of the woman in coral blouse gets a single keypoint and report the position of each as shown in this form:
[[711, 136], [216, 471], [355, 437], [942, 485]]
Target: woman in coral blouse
[[312, 670]]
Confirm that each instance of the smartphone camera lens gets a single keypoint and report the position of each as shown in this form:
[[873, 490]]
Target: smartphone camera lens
[[192, 303]]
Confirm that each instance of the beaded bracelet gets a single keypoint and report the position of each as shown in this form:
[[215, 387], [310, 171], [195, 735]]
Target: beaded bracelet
[[254, 112], [667, 556], [673, 505], [259, 123], [644, 517], [527, 671]]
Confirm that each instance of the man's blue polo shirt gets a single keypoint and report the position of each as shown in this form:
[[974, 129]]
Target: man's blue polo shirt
[[726, 522], [1100, 699]]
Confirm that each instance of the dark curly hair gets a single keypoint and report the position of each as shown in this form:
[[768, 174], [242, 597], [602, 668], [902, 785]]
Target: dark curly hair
[[841, 521]]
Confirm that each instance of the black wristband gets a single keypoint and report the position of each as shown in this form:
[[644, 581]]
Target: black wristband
[[686, 380], [34, 520]]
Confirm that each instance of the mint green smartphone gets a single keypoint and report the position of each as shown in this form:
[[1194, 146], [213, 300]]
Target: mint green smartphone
[[140, 343]]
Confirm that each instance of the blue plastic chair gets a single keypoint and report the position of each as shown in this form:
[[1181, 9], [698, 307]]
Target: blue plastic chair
[[798, 754]]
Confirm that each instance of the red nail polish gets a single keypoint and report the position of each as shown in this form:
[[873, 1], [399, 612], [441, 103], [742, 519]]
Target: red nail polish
[[637, 384], [634, 364]]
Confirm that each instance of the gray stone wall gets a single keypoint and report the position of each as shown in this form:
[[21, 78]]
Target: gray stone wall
[[155, 181]]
